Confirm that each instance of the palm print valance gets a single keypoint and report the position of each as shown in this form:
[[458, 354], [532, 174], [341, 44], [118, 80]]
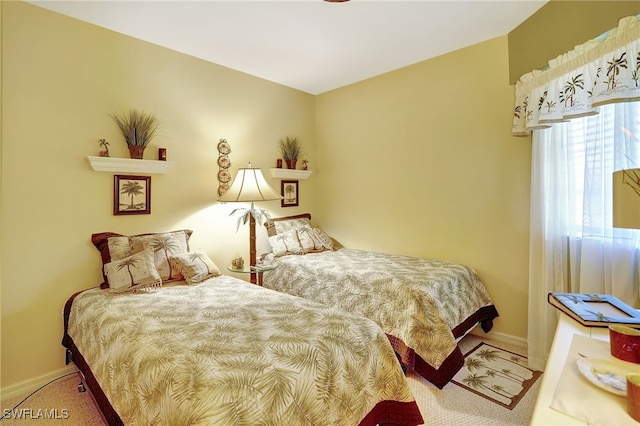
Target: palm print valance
[[603, 70]]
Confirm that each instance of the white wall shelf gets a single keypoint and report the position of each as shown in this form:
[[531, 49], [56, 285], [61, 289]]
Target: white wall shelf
[[128, 165], [290, 173]]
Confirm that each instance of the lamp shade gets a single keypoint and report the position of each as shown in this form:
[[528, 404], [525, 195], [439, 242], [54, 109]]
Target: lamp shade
[[249, 185], [626, 199]]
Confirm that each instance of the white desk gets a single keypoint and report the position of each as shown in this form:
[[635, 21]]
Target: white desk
[[542, 414]]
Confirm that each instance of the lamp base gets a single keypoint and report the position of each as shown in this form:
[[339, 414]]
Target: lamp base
[[252, 246]]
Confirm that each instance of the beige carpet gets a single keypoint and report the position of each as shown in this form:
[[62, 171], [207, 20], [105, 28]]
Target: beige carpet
[[59, 403], [452, 405]]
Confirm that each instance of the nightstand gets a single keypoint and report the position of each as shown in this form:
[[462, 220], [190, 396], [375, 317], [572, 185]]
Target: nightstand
[[257, 270]]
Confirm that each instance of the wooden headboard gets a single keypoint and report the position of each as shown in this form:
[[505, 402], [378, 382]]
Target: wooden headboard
[[271, 228]]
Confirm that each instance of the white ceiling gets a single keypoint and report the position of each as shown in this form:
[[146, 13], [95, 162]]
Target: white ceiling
[[310, 45]]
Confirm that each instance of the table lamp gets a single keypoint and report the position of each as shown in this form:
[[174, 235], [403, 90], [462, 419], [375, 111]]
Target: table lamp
[[626, 199], [249, 186]]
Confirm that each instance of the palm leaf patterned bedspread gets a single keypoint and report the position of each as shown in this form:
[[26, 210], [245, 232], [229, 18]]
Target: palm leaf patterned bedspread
[[419, 301], [226, 352]]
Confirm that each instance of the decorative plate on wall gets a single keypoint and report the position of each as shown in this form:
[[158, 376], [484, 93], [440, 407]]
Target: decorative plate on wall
[[224, 176], [223, 163], [223, 147]]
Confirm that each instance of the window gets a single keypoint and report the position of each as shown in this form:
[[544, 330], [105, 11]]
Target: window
[[573, 245], [581, 156]]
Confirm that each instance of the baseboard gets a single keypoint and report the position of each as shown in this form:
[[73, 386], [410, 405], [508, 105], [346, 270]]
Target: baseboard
[[26, 387], [498, 337]]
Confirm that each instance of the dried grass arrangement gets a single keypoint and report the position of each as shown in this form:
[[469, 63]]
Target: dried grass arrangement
[[290, 148], [137, 127]]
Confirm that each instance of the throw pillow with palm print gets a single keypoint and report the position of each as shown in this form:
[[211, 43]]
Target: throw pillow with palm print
[[196, 266], [133, 272], [164, 245], [285, 243]]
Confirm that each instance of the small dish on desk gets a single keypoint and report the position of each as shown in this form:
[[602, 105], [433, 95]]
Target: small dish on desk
[[605, 374]]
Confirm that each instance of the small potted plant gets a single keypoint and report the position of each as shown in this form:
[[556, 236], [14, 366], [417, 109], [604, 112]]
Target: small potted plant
[[104, 144], [290, 149], [138, 128]]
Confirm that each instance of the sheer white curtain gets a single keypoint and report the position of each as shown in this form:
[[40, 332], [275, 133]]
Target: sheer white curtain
[[573, 245], [583, 112]]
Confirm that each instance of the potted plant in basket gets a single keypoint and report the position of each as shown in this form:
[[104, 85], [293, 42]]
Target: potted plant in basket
[[138, 128], [290, 149]]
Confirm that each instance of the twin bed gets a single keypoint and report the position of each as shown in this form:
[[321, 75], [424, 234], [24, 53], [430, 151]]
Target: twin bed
[[423, 305], [204, 348], [167, 339]]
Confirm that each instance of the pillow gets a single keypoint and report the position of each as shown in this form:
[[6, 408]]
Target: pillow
[[113, 246], [314, 240], [285, 243], [195, 266], [325, 239], [164, 245], [119, 247], [283, 224], [131, 273]]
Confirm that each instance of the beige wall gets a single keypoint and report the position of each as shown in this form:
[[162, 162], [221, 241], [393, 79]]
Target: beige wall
[[61, 78], [421, 161], [558, 27]]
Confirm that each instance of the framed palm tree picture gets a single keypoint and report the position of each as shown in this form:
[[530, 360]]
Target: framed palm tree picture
[[289, 191], [131, 195]]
